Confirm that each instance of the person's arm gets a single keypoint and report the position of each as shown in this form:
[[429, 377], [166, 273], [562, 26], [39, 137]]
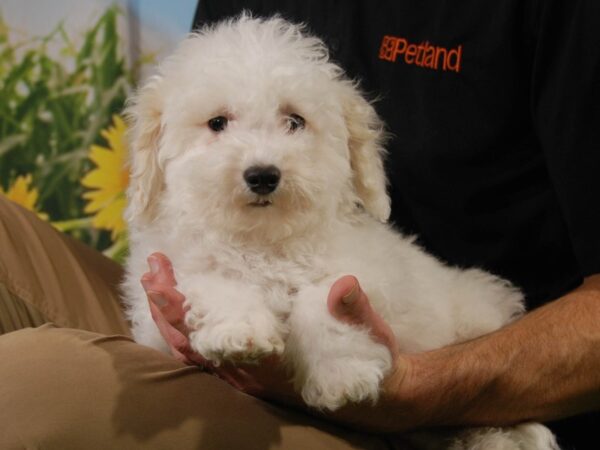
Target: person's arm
[[544, 366]]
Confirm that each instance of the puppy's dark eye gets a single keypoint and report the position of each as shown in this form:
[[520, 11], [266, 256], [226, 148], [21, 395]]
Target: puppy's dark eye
[[295, 122], [218, 123]]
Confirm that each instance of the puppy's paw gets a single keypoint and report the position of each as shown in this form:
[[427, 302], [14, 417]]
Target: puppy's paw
[[526, 436], [333, 383], [246, 341]]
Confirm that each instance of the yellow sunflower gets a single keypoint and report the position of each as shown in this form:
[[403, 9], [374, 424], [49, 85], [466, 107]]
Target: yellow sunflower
[[108, 180], [22, 193]]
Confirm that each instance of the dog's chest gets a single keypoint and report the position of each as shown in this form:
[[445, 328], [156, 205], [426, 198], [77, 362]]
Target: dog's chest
[[278, 276]]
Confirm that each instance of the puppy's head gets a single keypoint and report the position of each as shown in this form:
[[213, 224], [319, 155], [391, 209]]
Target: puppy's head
[[250, 129]]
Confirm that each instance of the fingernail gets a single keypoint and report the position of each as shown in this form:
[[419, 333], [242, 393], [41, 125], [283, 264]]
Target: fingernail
[[157, 298], [154, 265], [351, 296]]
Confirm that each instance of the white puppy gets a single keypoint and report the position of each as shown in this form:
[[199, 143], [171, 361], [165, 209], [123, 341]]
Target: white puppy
[[257, 168]]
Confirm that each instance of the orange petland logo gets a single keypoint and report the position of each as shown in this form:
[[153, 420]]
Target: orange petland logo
[[395, 48]]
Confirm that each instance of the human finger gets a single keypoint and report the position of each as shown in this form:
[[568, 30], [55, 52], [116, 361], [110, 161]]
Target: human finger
[[348, 303], [159, 285]]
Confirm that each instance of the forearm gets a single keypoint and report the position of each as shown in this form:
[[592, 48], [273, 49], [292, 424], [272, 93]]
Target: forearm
[[542, 367]]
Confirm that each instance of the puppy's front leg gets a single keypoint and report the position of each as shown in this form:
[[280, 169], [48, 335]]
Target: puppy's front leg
[[229, 320], [334, 363]]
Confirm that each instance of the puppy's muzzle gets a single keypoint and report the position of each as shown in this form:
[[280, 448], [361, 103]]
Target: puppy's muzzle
[[262, 180]]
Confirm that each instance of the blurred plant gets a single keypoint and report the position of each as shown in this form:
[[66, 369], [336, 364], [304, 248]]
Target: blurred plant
[[23, 194], [52, 111], [108, 181]]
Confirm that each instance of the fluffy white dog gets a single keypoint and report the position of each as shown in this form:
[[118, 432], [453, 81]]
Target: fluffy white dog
[[257, 168]]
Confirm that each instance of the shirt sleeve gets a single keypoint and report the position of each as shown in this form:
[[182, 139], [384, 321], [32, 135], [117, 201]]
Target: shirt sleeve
[[566, 114], [209, 11], [213, 11]]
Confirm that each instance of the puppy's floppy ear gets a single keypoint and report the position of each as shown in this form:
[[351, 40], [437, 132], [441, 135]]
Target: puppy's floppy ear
[[144, 114], [365, 142]]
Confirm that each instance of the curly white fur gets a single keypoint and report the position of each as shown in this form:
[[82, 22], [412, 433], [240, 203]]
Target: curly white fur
[[256, 277]]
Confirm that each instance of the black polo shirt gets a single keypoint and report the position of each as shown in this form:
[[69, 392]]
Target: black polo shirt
[[494, 108], [495, 113]]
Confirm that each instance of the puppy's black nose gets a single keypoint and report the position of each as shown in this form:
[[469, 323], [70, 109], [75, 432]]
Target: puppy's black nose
[[262, 180]]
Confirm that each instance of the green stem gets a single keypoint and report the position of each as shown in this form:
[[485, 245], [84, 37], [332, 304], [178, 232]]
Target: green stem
[[118, 249], [73, 224]]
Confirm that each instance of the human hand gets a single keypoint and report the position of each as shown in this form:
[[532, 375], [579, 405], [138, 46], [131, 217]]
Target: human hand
[[267, 379], [167, 308]]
